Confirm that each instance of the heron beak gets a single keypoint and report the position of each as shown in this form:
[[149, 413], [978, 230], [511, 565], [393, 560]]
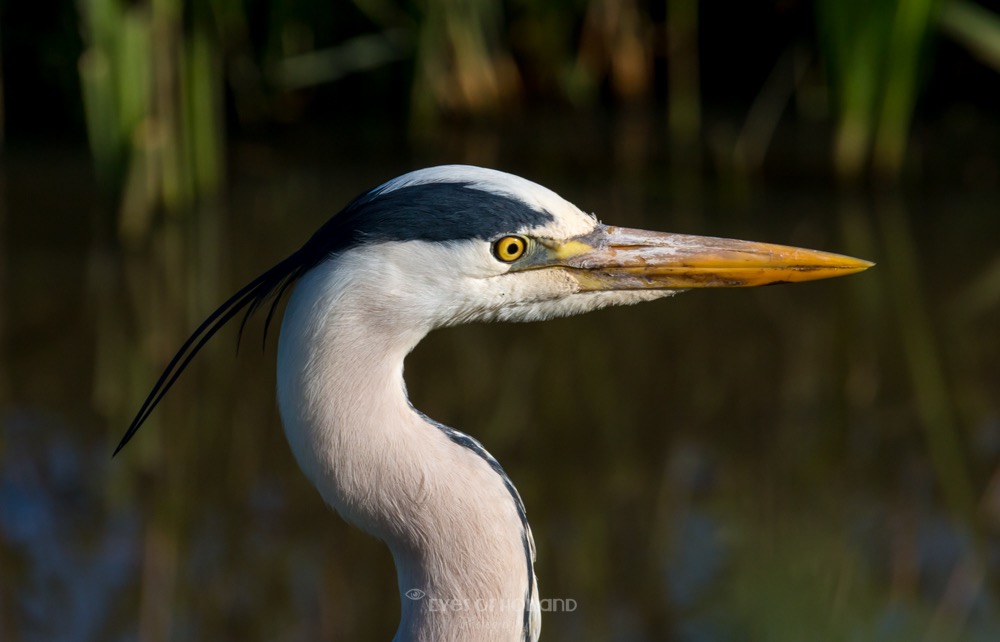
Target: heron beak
[[618, 258]]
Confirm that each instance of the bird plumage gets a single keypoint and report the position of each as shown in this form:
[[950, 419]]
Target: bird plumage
[[434, 248]]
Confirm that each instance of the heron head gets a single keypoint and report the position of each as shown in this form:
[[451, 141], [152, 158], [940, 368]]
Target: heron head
[[453, 244]]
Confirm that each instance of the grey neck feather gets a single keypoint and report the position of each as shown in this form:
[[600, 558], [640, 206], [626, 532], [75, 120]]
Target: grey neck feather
[[456, 533]]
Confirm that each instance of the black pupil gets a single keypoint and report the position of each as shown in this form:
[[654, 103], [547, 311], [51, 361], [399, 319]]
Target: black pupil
[[512, 247]]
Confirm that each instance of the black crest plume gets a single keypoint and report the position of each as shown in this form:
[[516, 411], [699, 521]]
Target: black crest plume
[[333, 236], [435, 212], [274, 282]]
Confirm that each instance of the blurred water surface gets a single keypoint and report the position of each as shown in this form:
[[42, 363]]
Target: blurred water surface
[[816, 461]]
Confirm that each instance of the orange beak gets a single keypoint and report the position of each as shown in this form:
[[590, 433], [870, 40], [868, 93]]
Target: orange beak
[[618, 258]]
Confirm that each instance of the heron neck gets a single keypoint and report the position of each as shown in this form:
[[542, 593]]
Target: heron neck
[[447, 515]]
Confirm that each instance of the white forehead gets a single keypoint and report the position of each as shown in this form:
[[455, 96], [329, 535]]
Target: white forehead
[[569, 219]]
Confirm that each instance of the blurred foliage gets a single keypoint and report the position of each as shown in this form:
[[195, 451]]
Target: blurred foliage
[[875, 51], [975, 27], [156, 76], [151, 93], [161, 80]]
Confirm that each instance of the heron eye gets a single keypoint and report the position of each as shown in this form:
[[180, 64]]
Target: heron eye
[[509, 248]]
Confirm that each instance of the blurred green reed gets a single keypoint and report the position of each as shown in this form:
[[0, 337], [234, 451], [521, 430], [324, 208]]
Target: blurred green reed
[[151, 96], [152, 73], [976, 27], [927, 372], [462, 64], [872, 51], [877, 54]]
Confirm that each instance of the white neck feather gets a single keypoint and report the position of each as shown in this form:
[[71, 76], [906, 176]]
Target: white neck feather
[[451, 523]]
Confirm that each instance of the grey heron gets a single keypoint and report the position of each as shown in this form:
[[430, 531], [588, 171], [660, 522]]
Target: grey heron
[[440, 247]]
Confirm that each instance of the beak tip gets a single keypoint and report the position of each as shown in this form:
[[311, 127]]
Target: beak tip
[[860, 265]]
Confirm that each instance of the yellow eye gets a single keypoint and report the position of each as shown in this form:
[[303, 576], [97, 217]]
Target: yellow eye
[[510, 248]]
